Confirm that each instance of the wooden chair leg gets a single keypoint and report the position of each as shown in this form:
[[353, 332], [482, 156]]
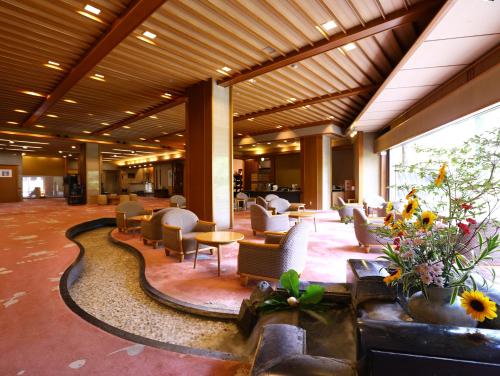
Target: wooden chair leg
[[367, 248], [244, 280], [181, 257]]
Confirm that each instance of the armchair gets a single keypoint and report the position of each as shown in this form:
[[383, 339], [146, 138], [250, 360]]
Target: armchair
[[261, 220], [346, 210], [128, 209], [271, 197], [242, 198], [269, 260], [180, 227], [151, 231], [375, 205], [262, 202], [364, 231], [178, 201]]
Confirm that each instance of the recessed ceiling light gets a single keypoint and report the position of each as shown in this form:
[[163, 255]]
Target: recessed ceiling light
[[52, 116], [20, 111], [252, 80], [354, 133], [285, 141], [126, 127], [73, 147], [39, 126], [157, 140], [69, 101], [34, 93], [226, 69], [306, 106], [130, 112], [149, 34], [291, 100], [11, 142], [331, 117], [12, 122], [23, 153], [279, 126], [106, 134], [269, 50], [268, 143], [329, 25], [239, 134], [294, 66], [251, 119], [91, 9], [88, 15], [70, 155], [60, 151], [53, 65], [166, 95], [154, 117], [349, 47], [223, 71], [64, 156], [104, 123], [236, 114], [87, 132], [98, 77], [179, 135], [142, 139]]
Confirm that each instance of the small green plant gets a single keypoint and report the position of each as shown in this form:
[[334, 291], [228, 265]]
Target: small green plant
[[309, 300]]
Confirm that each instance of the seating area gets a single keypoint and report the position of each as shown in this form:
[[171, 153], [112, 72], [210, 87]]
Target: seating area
[[228, 187]]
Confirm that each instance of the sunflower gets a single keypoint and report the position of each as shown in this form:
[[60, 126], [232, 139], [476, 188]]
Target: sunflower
[[389, 207], [426, 220], [389, 219], [412, 193], [441, 175], [393, 276], [478, 305], [410, 208]]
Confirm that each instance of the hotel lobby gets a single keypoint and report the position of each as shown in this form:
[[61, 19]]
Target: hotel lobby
[[250, 187]]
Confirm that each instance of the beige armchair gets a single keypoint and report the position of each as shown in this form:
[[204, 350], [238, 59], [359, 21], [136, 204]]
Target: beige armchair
[[128, 209], [346, 210], [375, 205], [178, 201], [152, 230], [262, 220], [364, 231], [180, 227], [277, 255]]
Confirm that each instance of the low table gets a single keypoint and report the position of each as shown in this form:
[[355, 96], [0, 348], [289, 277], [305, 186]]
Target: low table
[[298, 215], [216, 239], [298, 206], [144, 217]]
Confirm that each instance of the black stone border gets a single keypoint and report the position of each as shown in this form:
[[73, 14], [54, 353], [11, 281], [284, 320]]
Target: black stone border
[[72, 273], [168, 300]]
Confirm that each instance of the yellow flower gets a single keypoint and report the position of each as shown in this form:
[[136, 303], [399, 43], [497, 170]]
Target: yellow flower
[[410, 208], [389, 207], [426, 220], [394, 276], [441, 175], [478, 305], [412, 193], [389, 219]]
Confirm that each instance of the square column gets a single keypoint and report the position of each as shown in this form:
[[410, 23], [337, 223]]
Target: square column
[[90, 171], [209, 153], [366, 166], [316, 171]]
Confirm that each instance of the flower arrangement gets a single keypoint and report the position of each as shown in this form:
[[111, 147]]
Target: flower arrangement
[[445, 244]]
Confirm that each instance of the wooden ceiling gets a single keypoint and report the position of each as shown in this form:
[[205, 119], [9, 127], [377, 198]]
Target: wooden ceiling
[[129, 94]]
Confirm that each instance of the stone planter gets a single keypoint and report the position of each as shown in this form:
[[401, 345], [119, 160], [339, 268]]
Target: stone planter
[[437, 309]]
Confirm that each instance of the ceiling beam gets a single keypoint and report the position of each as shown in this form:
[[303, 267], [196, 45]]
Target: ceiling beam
[[287, 131], [309, 101], [354, 34], [133, 17], [132, 119], [47, 135]]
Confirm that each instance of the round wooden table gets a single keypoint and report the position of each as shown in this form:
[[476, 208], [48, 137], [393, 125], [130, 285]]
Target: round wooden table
[[298, 215], [216, 239]]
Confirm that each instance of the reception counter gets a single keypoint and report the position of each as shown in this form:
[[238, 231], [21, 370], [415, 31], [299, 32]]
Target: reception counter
[[292, 196]]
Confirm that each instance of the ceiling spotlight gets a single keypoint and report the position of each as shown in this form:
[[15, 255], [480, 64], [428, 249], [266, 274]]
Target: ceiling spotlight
[[39, 126], [294, 66], [12, 122], [104, 123], [60, 151], [251, 119], [291, 100], [130, 112], [142, 139], [52, 116], [91, 9], [166, 95], [279, 126], [252, 80], [20, 111], [149, 34], [226, 69], [329, 25], [33, 93], [106, 134], [87, 132], [349, 47], [154, 117], [73, 147], [126, 127], [98, 77], [53, 65]]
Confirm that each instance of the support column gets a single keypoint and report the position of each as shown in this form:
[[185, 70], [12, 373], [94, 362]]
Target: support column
[[209, 153], [316, 171], [366, 166], [90, 171]]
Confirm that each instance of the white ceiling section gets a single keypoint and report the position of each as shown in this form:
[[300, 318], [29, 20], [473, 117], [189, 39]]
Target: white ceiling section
[[462, 32]]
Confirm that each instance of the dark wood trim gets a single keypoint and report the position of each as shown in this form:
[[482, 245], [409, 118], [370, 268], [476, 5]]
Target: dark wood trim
[[290, 128], [354, 34], [132, 119], [132, 17], [309, 101]]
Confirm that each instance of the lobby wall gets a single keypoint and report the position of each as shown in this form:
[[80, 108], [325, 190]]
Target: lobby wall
[[342, 164], [287, 169], [43, 166], [11, 191]]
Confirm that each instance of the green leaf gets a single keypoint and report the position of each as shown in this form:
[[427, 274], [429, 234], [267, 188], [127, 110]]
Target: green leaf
[[290, 281], [312, 295]]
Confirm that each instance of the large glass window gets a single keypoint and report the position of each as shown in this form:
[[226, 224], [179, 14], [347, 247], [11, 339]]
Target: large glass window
[[43, 186], [448, 136]]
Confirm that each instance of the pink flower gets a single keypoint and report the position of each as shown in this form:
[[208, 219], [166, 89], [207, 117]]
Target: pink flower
[[472, 221], [464, 227], [426, 278], [439, 281], [436, 269]]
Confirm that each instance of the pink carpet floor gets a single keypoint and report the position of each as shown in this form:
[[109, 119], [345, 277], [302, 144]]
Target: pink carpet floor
[[40, 335], [329, 249]]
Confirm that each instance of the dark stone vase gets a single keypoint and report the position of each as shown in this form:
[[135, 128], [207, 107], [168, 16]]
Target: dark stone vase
[[437, 309]]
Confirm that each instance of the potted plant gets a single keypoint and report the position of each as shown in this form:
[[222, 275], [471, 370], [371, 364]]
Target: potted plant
[[446, 232]]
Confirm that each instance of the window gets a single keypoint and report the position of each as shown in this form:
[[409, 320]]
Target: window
[[48, 186], [447, 136]]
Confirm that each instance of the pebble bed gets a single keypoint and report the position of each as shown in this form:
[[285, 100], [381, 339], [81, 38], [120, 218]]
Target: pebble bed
[[109, 290]]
